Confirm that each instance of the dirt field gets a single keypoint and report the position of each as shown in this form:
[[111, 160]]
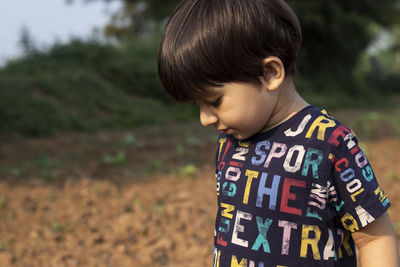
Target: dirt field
[[142, 198]]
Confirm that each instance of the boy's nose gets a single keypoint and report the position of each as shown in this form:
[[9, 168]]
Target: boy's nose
[[207, 117]]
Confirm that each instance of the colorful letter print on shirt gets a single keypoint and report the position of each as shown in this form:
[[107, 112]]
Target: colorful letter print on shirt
[[291, 196]]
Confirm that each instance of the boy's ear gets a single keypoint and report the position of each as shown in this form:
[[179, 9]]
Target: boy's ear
[[274, 72]]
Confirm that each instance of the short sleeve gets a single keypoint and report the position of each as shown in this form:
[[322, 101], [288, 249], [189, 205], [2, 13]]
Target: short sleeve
[[356, 196]]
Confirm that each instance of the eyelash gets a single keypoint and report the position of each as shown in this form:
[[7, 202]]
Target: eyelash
[[216, 103]]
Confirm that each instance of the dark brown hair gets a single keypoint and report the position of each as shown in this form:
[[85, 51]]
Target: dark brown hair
[[207, 43]]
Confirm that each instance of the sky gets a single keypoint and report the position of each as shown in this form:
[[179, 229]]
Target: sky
[[48, 20]]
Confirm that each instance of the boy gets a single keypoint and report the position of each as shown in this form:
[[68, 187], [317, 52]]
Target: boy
[[294, 189]]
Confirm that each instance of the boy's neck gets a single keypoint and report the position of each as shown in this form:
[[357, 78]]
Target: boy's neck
[[288, 104]]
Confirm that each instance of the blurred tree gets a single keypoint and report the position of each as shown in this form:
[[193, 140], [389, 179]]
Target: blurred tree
[[26, 41], [384, 61], [136, 17], [391, 55], [336, 35]]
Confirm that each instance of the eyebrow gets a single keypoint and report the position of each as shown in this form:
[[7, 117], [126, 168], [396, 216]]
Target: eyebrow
[[212, 91]]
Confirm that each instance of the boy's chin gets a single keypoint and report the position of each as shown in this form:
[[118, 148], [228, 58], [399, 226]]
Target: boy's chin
[[240, 136]]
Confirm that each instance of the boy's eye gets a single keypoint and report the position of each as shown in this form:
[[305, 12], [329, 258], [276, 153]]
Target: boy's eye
[[216, 102]]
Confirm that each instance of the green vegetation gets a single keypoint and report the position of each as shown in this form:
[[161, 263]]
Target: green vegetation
[[84, 85], [189, 170], [392, 176], [3, 202], [59, 227], [116, 159]]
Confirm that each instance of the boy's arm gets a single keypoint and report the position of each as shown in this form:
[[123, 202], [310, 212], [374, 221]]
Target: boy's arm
[[377, 244]]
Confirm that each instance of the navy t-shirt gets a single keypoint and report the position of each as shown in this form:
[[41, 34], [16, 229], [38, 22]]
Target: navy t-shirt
[[291, 196]]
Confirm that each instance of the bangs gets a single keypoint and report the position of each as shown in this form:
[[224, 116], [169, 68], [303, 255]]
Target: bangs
[[187, 77]]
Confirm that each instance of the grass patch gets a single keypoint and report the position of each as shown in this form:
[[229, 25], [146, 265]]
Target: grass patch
[[59, 227], [116, 159], [44, 166], [391, 175], [396, 226], [3, 202], [188, 170]]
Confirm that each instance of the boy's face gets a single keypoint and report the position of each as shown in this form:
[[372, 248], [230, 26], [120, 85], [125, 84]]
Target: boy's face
[[239, 109]]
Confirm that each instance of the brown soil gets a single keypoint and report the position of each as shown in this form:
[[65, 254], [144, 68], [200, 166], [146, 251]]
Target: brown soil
[[62, 203]]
